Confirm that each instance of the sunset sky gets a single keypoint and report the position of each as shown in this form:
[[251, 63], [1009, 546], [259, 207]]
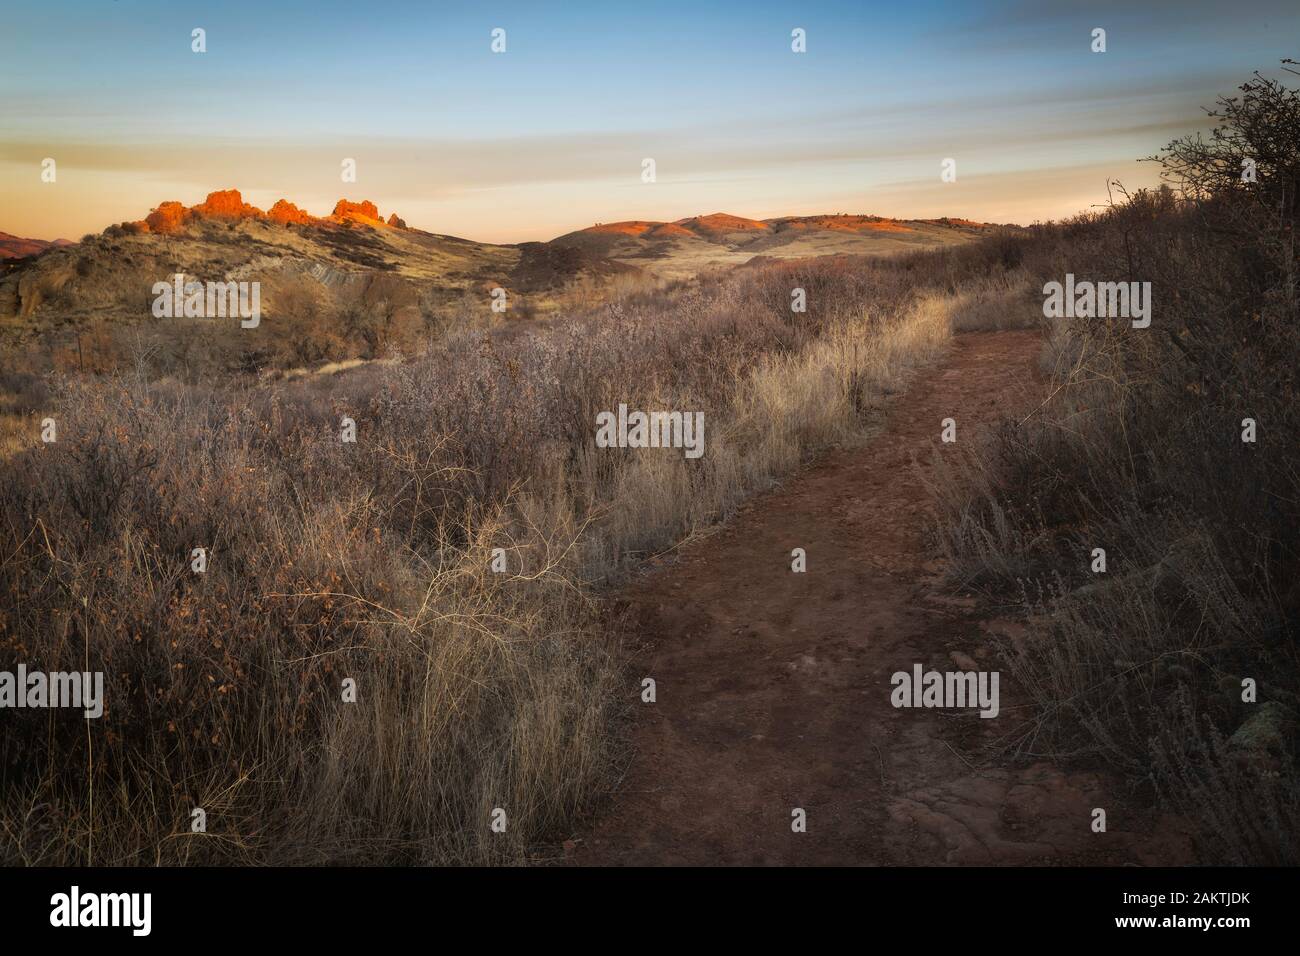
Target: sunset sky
[[549, 136]]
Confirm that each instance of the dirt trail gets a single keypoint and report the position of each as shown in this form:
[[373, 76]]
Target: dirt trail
[[773, 688]]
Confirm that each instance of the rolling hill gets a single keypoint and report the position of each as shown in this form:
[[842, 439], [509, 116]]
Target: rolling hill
[[16, 247], [325, 270], [342, 258], [685, 247]]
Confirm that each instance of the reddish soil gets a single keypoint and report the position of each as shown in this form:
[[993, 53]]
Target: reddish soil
[[634, 227], [843, 224], [670, 230], [773, 688], [721, 222]]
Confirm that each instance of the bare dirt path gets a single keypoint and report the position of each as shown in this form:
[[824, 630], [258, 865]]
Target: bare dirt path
[[773, 688]]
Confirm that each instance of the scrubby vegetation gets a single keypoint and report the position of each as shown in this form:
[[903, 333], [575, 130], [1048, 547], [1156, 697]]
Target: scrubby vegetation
[[372, 561], [1139, 450]]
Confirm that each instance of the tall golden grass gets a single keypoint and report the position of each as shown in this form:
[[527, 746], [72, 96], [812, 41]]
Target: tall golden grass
[[476, 691]]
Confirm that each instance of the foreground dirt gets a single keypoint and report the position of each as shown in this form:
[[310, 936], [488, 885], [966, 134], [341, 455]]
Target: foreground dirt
[[773, 688]]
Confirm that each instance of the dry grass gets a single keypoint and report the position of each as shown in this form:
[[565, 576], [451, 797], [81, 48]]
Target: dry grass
[[1138, 450], [476, 690]]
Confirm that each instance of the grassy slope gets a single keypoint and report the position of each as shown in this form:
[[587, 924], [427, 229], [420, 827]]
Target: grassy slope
[[371, 561]]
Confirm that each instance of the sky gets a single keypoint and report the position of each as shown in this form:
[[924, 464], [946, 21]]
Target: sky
[[550, 135]]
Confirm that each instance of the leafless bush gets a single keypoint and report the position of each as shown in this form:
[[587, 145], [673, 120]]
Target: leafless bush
[[371, 561], [1139, 451]]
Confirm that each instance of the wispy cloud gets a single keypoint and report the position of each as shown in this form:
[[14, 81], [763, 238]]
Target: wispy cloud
[[552, 134]]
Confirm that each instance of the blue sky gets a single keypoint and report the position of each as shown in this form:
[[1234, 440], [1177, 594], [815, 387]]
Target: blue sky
[[550, 135]]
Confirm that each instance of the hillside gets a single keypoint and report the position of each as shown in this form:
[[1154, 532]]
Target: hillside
[[358, 283], [683, 248], [110, 275], [16, 247]]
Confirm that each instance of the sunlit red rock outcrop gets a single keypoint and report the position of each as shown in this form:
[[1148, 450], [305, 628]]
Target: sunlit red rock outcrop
[[343, 209], [229, 205], [226, 204], [286, 212], [168, 217]]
